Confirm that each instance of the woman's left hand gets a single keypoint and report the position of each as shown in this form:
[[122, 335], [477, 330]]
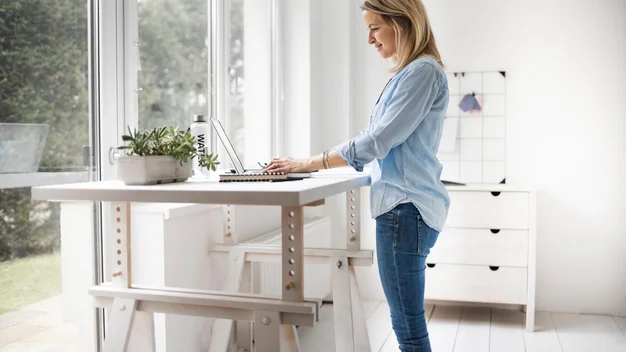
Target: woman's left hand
[[287, 165]]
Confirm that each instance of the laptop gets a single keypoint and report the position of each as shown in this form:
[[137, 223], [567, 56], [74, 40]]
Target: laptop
[[239, 170]]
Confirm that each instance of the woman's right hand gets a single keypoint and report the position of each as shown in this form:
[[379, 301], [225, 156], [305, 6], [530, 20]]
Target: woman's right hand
[[287, 165]]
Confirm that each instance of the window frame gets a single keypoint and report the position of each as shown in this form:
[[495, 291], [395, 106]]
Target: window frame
[[219, 49], [219, 66], [277, 77], [109, 68]]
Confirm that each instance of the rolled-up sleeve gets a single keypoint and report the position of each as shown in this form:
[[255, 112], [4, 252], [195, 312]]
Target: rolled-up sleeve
[[407, 107], [347, 152]]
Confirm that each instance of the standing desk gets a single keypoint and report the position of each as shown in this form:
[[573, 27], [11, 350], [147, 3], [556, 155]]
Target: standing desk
[[274, 318]]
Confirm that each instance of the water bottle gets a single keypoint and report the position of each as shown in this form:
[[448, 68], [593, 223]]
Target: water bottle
[[200, 129]]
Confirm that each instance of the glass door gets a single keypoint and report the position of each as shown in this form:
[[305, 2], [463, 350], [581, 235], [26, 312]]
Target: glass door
[[48, 135]]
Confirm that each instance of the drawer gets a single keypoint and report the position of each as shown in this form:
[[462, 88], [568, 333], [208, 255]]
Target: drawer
[[489, 210], [474, 283], [481, 247]]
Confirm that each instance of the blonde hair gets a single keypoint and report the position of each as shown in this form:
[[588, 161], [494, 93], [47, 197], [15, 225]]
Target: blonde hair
[[414, 36]]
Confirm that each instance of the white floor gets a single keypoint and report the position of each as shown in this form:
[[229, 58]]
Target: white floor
[[39, 328], [469, 329]]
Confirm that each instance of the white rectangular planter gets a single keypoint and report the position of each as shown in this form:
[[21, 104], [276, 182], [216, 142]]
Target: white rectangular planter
[[150, 170]]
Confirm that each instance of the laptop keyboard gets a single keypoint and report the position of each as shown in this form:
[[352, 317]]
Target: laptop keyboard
[[260, 172]]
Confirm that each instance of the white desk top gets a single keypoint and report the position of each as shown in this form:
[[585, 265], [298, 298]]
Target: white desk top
[[319, 186]]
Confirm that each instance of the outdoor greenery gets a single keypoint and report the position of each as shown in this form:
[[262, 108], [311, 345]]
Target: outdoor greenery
[[43, 74], [174, 75], [174, 59], [27, 227], [28, 280], [167, 141], [44, 79]]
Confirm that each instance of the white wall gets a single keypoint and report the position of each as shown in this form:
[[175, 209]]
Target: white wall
[[330, 80], [566, 127]]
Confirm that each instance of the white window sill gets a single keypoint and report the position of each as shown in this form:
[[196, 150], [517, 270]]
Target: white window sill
[[33, 179]]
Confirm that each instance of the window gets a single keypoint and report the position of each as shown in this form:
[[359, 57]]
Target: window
[[173, 62], [185, 69], [45, 128], [249, 99]]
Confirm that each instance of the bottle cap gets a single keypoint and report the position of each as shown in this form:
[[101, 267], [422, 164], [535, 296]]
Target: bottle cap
[[199, 118]]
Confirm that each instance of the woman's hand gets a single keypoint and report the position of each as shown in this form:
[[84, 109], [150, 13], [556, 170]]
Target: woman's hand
[[287, 165]]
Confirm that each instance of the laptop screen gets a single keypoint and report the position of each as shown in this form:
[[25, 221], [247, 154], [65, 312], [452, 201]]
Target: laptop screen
[[230, 150]]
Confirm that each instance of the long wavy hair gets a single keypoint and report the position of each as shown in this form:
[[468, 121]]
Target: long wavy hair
[[414, 36]]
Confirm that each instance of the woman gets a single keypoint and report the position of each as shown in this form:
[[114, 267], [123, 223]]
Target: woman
[[408, 200]]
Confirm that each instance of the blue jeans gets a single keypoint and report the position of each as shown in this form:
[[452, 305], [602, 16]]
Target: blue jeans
[[403, 241]]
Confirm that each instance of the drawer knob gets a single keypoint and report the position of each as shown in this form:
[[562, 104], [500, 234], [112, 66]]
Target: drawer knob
[[494, 231], [495, 194], [494, 268], [430, 265]]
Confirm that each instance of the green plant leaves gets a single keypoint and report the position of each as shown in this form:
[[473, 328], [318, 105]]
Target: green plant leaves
[[166, 141], [209, 161]]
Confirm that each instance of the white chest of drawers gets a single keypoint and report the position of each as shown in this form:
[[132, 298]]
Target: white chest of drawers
[[487, 249]]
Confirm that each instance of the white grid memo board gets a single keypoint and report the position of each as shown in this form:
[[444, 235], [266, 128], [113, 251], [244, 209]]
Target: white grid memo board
[[480, 150]]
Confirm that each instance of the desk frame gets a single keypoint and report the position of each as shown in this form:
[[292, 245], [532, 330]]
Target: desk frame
[[274, 319]]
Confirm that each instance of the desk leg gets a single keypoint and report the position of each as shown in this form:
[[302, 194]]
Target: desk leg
[[142, 337], [350, 329], [120, 323], [293, 253], [120, 224], [289, 339], [223, 336], [342, 305], [292, 268], [267, 331], [350, 326], [139, 334], [353, 212], [359, 330]]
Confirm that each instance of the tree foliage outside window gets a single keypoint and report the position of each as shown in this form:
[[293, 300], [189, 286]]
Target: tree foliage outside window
[[174, 62], [173, 56], [44, 80]]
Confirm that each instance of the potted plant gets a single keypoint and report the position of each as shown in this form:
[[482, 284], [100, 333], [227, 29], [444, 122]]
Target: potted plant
[[160, 155]]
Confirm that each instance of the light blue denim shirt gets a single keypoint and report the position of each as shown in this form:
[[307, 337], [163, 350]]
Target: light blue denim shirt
[[402, 140]]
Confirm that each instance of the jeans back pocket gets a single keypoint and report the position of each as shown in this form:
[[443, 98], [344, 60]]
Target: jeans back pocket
[[426, 237]]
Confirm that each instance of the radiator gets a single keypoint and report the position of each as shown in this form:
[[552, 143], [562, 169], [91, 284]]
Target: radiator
[[316, 276]]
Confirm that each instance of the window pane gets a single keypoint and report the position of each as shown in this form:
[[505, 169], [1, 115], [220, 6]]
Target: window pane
[[249, 95], [173, 76], [174, 69], [236, 79], [44, 124], [43, 80]]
